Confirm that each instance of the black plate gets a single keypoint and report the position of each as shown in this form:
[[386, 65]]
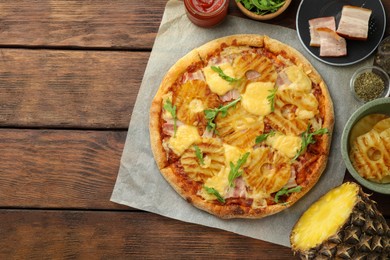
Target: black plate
[[357, 50]]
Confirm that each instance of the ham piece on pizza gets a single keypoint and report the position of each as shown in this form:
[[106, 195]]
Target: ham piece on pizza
[[241, 126]]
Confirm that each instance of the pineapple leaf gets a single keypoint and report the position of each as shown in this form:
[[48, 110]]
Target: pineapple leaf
[[286, 191], [172, 110], [214, 192], [235, 169]]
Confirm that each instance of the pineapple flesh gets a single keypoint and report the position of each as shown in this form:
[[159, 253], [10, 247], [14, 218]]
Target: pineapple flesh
[[191, 99], [343, 224], [213, 160]]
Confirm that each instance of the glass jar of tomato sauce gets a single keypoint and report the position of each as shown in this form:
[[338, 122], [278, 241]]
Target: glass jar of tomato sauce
[[206, 13]]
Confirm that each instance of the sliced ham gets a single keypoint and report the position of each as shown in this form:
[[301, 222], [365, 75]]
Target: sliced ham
[[282, 79], [207, 134], [230, 95], [220, 60], [197, 75], [239, 190], [322, 22], [168, 127], [354, 22], [252, 74], [331, 44], [292, 181]]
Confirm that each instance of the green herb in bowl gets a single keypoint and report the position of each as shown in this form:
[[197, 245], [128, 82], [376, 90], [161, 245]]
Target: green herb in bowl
[[262, 7]]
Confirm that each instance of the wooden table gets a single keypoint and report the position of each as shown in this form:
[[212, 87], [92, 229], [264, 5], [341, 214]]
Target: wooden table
[[69, 76]]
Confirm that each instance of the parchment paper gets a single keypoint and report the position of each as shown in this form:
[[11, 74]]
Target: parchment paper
[[140, 184]]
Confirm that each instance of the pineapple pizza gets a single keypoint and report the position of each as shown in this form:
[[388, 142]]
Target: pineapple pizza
[[241, 126]]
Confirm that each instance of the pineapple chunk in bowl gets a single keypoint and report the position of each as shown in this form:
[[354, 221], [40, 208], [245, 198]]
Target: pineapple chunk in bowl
[[365, 145]]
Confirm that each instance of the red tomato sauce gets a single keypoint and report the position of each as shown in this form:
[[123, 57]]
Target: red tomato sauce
[[206, 13], [207, 6]]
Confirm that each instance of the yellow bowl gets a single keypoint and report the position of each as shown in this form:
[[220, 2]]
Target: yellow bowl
[[259, 17]]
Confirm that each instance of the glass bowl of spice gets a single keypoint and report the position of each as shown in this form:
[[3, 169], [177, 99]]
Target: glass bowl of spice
[[369, 83]]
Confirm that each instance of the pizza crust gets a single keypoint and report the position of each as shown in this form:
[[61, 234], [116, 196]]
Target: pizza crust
[[173, 175]]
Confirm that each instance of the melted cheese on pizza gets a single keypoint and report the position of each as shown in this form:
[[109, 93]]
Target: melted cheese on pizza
[[220, 181], [186, 135], [255, 100], [299, 80], [288, 145], [232, 154], [216, 83]]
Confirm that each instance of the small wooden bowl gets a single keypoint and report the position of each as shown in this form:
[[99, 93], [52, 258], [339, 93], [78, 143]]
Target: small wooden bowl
[[258, 17]]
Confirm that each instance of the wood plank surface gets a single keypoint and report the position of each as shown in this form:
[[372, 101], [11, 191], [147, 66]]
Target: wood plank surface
[[121, 235], [68, 169], [59, 169], [76, 66], [69, 89], [119, 24], [76, 89]]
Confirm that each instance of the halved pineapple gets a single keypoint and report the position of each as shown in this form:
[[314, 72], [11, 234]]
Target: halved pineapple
[[191, 99], [239, 128], [343, 224], [213, 159]]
